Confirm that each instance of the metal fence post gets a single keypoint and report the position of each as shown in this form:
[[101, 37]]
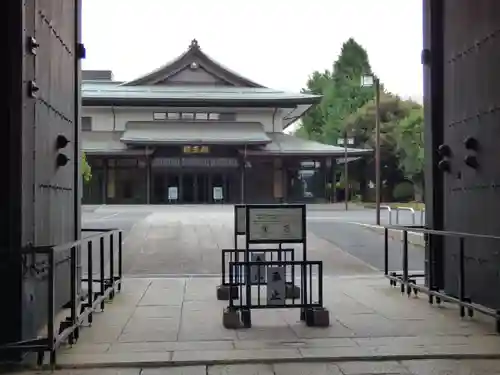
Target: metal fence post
[[386, 251], [120, 259], [111, 264], [101, 269], [404, 284], [90, 279], [461, 274]]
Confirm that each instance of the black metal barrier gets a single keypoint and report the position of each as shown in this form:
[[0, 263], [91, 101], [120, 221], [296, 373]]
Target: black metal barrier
[[236, 255], [309, 301], [408, 281], [81, 307]]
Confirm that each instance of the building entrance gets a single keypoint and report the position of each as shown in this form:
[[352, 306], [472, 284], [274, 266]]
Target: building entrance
[[191, 188]]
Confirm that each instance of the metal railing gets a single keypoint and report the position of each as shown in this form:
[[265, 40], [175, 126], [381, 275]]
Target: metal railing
[[408, 281], [409, 209], [311, 283], [237, 255], [389, 209], [81, 308]]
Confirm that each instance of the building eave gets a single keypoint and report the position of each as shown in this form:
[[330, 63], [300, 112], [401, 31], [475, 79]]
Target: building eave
[[197, 102]]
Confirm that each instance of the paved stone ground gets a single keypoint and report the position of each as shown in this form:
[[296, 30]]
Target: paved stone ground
[[179, 321], [414, 367], [175, 240], [187, 240]]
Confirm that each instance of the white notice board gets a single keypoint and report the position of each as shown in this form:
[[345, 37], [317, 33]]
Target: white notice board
[[258, 273], [275, 286], [241, 219], [218, 196], [275, 224], [173, 193]]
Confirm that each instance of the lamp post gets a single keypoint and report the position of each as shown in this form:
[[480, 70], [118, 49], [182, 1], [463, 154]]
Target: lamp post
[[372, 81], [346, 141]]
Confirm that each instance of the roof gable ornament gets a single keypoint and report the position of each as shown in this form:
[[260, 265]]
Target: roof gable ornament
[[194, 44]]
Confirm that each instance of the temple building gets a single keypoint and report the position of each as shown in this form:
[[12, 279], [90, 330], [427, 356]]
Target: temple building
[[194, 131]]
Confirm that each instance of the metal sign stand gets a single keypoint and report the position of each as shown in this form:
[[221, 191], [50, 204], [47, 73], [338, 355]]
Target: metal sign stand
[[276, 224], [223, 290]]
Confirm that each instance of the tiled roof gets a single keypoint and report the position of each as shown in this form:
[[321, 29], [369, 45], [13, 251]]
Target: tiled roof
[[285, 144], [101, 90], [208, 133]]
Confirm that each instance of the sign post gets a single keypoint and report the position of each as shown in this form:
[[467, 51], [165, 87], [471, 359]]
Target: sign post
[[173, 194], [218, 194]]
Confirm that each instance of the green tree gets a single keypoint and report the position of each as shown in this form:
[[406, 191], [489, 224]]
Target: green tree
[[393, 114], [345, 95], [410, 148], [86, 170], [313, 121]]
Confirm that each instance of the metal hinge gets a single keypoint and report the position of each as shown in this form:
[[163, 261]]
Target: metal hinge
[[32, 45], [81, 53], [33, 89], [425, 57]]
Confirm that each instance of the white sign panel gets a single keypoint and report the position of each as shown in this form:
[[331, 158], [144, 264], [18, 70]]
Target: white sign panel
[[276, 286], [241, 219], [258, 273], [275, 224], [218, 193], [173, 194]]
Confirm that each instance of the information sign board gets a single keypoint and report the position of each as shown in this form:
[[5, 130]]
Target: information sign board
[[258, 273], [173, 193], [276, 286], [241, 218], [275, 223], [218, 196]]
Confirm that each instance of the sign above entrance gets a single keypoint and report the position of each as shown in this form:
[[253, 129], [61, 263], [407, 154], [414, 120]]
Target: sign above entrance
[[195, 162], [196, 149]]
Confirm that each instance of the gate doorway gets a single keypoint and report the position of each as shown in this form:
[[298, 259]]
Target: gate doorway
[[192, 187]]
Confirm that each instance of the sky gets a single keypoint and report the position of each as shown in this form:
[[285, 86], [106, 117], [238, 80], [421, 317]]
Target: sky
[[277, 43]]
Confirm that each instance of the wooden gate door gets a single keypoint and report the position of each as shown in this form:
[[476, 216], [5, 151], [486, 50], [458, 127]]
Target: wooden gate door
[[471, 130], [43, 153]]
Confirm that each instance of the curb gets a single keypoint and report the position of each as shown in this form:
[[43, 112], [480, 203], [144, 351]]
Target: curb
[[414, 238], [374, 358]]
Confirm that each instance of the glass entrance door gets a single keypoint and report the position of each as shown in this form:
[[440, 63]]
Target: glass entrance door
[[188, 188], [202, 188]]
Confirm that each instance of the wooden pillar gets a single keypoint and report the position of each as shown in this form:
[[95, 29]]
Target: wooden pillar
[[278, 180], [104, 182]]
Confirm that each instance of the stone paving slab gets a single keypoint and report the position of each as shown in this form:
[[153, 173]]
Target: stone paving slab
[[412, 367], [175, 321]]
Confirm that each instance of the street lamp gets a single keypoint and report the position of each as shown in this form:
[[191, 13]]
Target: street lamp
[[346, 141], [371, 81]]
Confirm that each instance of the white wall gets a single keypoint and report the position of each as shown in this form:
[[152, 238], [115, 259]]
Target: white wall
[[115, 119]]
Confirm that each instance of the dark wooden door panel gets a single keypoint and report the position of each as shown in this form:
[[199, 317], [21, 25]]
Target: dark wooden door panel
[[472, 110]]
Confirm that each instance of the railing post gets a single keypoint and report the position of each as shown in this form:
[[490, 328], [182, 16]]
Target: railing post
[[120, 259], [386, 251], [51, 307], [397, 215], [111, 264], [90, 279], [404, 284], [461, 274], [101, 269], [73, 294]]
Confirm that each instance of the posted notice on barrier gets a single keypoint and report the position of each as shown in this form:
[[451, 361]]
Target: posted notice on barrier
[[258, 273], [276, 286], [275, 224]]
